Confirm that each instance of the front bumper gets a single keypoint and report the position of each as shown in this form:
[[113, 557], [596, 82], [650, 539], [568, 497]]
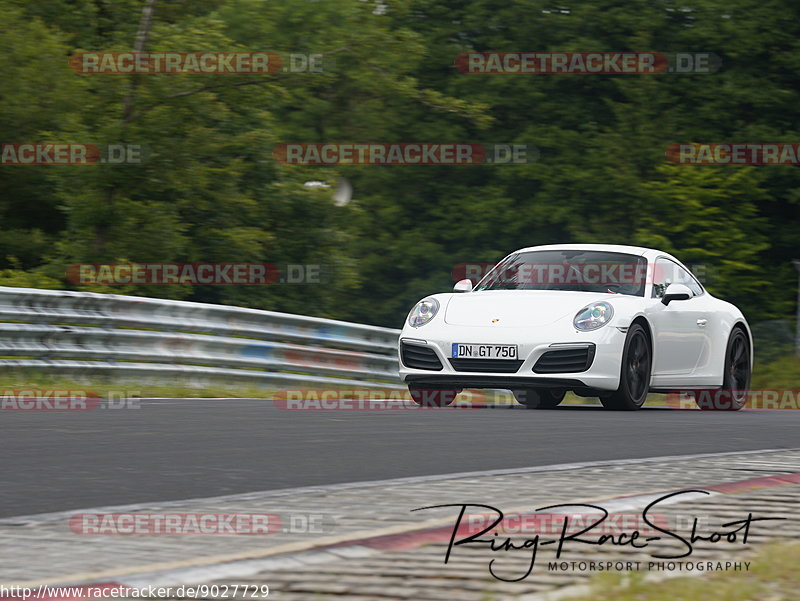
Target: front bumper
[[532, 343]]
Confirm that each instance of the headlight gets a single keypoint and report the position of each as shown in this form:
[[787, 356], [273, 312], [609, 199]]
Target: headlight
[[423, 312], [594, 316]]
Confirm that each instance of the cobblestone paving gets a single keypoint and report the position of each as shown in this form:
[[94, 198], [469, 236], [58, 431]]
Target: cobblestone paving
[[43, 549], [420, 574]]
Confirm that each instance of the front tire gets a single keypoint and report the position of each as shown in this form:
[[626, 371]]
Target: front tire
[[634, 377], [539, 398]]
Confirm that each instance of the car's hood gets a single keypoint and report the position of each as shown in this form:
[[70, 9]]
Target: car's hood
[[515, 308]]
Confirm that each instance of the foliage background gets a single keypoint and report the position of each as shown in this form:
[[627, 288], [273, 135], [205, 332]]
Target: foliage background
[[211, 191]]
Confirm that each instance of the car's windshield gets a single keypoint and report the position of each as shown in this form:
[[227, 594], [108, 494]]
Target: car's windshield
[[581, 270]]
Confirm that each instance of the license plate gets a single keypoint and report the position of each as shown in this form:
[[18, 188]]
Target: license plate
[[484, 351]]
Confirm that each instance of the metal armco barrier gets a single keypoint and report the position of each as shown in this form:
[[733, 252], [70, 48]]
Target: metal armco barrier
[[68, 333]]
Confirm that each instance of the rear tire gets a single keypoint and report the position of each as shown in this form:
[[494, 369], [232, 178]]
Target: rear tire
[[433, 397], [735, 380], [634, 377], [539, 398]]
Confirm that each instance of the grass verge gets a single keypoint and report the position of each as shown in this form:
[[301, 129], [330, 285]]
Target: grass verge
[[105, 388], [782, 373], [773, 576]]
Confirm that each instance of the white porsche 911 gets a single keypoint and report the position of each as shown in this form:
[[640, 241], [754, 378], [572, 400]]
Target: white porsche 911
[[607, 321]]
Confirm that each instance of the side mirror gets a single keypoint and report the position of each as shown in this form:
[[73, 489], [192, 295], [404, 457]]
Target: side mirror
[[676, 292], [463, 286]]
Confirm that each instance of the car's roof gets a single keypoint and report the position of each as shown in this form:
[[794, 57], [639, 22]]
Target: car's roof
[[619, 248]]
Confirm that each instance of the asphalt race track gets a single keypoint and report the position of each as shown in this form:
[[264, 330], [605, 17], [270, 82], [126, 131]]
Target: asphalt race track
[[178, 449]]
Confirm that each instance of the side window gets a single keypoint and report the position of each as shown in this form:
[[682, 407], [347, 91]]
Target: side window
[[694, 286], [663, 276], [666, 272]]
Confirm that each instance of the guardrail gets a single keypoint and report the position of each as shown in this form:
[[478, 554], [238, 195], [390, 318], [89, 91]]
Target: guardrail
[[147, 339]]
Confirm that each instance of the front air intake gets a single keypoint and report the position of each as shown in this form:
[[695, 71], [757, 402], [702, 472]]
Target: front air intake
[[565, 361], [419, 357]]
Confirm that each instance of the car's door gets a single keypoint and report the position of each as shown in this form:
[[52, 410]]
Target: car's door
[[679, 329]]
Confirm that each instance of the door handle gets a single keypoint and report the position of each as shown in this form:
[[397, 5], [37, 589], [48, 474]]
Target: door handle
[[702, 322]]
